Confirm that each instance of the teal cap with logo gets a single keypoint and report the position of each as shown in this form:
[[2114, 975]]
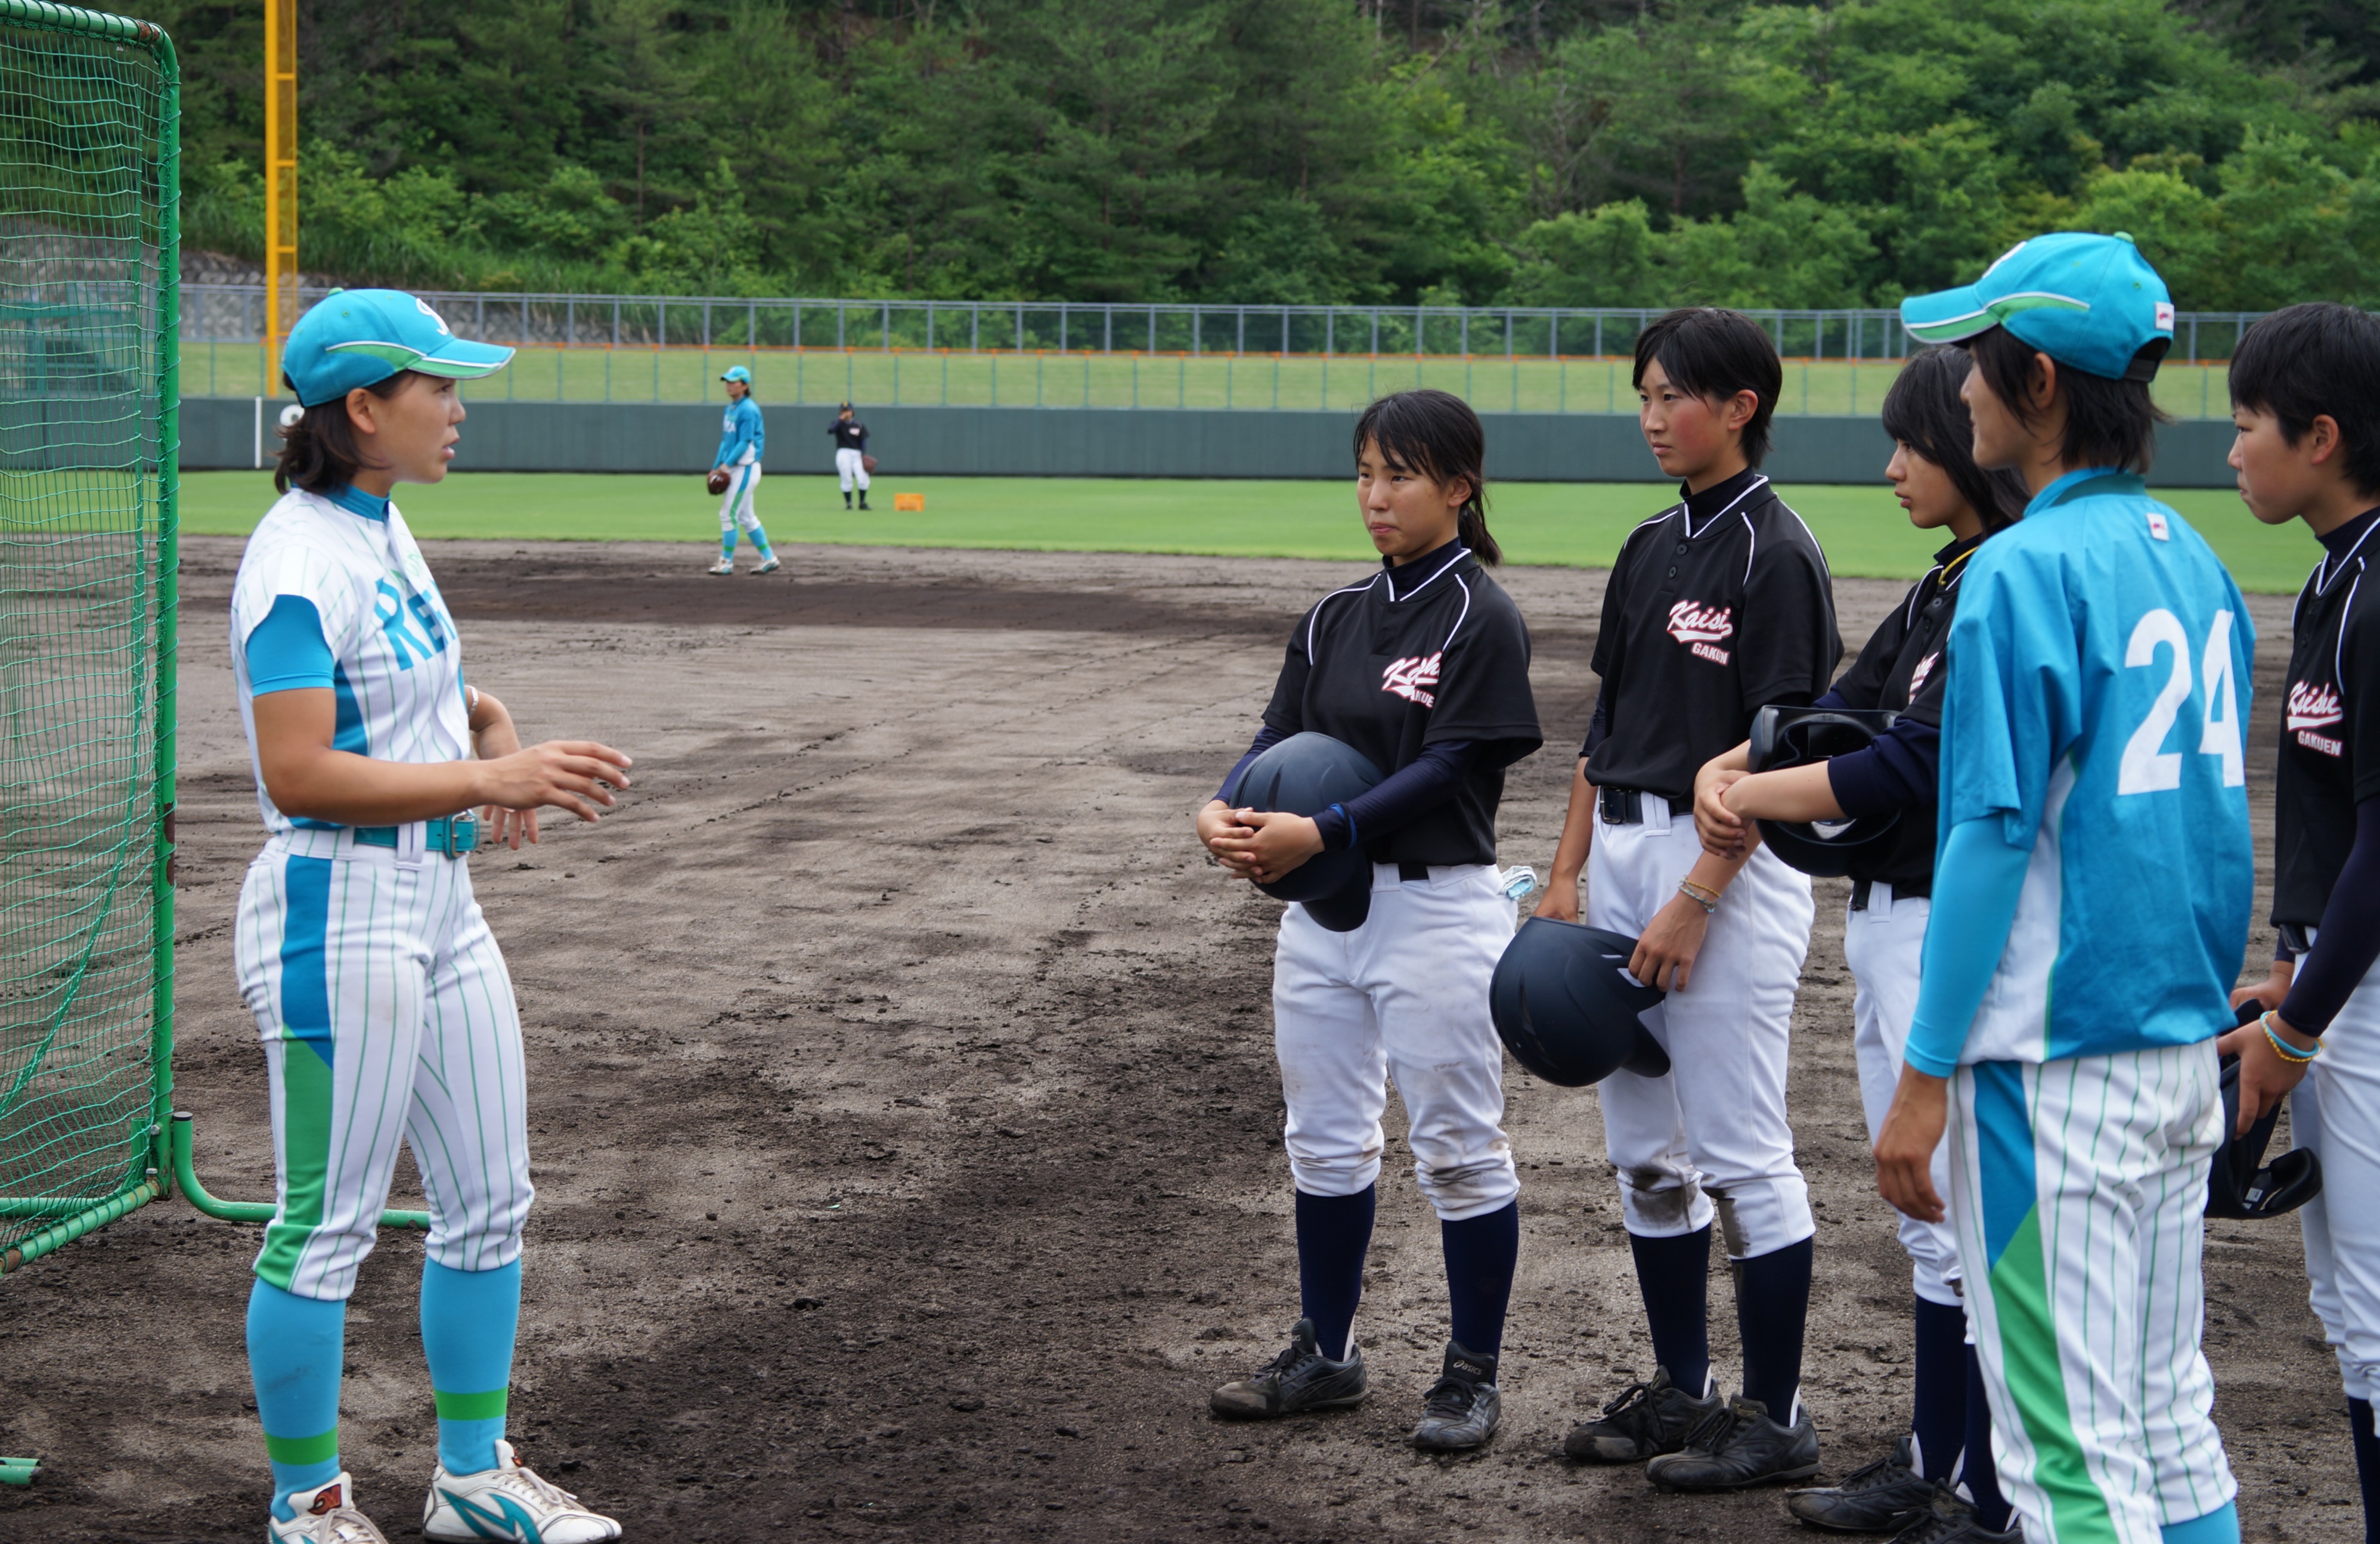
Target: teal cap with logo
[[737, 373], [360, 337], [2090, 302]]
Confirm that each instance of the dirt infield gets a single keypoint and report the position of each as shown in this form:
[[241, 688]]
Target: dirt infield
[[905, 1122]]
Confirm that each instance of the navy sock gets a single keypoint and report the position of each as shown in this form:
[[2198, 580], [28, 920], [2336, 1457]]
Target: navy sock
[[2367, 1465], [1978, 1476], [1939, 1421], [1772, 1300], [1333, 1232], [1674, 1276], [1480, 1255]]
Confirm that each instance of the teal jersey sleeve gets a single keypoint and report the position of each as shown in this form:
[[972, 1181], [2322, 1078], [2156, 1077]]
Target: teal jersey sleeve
[[286, 652], [740, 431]]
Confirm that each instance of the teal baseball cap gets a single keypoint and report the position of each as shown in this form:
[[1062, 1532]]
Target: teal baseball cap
[[360, 337], [2090, 302], [737, 373]]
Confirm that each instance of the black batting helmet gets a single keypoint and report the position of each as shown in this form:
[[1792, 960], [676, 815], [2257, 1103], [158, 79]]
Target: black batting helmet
[[1305, 774], [1782, 737], [1567, 1008], [2242, 1185]]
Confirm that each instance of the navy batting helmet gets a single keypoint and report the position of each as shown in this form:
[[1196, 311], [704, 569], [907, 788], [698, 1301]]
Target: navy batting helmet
[[2242, 1185], [1567, 1008], [1305, 774], [1782, 737]]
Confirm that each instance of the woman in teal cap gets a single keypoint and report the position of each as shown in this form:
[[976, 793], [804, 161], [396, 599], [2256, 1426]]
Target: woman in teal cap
[[741, 439], [381, 998]]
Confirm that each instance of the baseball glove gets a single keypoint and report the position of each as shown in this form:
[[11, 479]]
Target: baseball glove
[[718, 480], [868, 464]]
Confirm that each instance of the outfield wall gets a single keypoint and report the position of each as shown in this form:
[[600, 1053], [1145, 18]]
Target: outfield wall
[[225, 433]]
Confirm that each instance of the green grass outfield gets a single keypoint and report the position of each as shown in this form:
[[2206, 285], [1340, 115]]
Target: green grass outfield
[[1572, 524]]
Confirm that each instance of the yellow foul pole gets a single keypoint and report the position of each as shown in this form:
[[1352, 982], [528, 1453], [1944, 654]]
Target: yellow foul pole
[[280, 181]]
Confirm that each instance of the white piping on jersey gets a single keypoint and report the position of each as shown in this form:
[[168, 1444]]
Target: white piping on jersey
[[1391, 574], [1758, 482], [2322, 576], [2346, 612], [1314, 617], [1458, 616], [1908, 618]]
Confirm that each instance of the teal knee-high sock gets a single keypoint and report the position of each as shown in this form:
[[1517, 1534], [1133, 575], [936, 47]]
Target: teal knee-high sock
[[759, 540], [294, 1347], [2218, 1526], [727, 543], [469, 1320]]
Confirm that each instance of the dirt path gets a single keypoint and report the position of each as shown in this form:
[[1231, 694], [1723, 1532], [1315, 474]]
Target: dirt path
[[905, 1119]]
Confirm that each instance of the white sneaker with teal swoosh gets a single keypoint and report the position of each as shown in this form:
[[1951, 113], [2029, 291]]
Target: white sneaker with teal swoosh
[[324, 1516], [509, 1502]]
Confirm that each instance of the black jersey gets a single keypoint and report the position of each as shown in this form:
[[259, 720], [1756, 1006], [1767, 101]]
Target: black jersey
[[1715, 608], [852, 435], [1902, 669], [1429, 652], [2330, 728]]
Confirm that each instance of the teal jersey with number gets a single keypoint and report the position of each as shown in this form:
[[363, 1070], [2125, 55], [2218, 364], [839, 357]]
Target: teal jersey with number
[[2098, 685]]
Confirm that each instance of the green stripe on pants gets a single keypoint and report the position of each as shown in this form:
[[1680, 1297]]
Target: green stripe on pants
[[2036, 1383], [306, 1160]]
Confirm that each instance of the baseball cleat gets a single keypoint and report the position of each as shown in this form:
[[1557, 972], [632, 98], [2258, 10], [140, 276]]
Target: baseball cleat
[[1647, 1420], [1882, 1497], [724, 566], [1460, 1410], [1952, 1521], [508, 1501], [324, 1517], [1737, 1447], [769, 565], [1299, 1379]]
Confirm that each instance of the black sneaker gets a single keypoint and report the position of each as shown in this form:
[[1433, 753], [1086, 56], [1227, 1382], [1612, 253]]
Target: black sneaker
[[1739, 1446], [1646, 1419], [1882, 1497], [1300, 1378], [1952, 1521], [1461, 1409]]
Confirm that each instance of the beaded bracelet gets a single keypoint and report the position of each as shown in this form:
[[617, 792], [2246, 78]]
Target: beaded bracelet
[[2283, 1049], [1702, 896]]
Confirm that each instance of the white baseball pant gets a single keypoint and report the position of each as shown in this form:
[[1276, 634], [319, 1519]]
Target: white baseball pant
[[1406, 997], [2078, 1191], [1883, 942], [386, 1015], [2336, 1111], [851, 465], [1714, 1128], [736, 506]]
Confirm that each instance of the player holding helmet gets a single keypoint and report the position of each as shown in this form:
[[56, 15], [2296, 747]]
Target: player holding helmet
[[2305, 397], [1933, 468], [1424, 668]]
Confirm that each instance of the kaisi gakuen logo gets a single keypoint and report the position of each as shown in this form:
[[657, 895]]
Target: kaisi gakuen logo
[[1412, 678], [2314, 706], [1700, 628]]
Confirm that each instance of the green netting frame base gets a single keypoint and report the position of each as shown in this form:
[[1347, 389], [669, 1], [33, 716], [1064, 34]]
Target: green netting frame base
[[90, 252]]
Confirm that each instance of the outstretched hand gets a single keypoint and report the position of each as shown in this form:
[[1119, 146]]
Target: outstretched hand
[[576, 775]]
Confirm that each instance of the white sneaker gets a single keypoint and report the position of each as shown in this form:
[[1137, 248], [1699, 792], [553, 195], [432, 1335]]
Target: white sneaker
[[767, 565], [510, 1502], [724, 566], [324, 1517]]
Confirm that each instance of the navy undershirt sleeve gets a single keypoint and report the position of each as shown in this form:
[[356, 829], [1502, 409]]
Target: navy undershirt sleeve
[[2350, 938], [1402, 798], [1900, 768], [286, 652], [1267, 737], [1597, 726], [1833, 699]]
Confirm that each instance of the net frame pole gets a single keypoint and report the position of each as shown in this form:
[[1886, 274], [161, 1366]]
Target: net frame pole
[[151, 1185], [280, 178]]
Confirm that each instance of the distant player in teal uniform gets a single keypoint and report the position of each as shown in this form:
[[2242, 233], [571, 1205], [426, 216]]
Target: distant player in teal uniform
[[2094, 849], [741, 440]]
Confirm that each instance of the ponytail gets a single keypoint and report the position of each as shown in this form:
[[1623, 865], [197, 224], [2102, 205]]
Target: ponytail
[[1436, 433]]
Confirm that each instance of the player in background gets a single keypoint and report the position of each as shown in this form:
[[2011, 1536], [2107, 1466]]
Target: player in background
[[381, 998], [1425, 669], [1945, 1462], [741, 440], [2305, 398], [2095, 850], [850, 437], [1714, 608]]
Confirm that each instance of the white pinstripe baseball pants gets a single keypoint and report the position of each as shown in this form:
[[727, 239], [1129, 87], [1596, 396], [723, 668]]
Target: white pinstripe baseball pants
[[386, 1015]]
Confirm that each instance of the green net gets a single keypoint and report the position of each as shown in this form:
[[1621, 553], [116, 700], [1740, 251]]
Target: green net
[[88, 110]]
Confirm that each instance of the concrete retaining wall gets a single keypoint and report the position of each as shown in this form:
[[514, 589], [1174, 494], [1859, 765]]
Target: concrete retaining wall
[[1075, 442]]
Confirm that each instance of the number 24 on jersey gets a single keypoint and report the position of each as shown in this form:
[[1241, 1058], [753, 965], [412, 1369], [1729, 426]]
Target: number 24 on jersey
[[2147, 766]]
